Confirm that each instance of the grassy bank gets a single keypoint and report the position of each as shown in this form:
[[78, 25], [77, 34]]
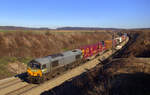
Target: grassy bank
[[7, 63]]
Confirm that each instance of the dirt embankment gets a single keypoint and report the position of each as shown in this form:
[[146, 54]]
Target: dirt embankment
[[140, 46], [125, 76], [21, 44]]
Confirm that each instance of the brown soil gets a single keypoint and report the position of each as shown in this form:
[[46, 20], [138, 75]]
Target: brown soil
[[17, 67], [140, 46]]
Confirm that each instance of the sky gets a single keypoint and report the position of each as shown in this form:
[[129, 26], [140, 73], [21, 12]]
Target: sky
[[75, 13]]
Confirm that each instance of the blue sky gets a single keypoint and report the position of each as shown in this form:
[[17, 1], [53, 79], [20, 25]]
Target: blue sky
[[86, 13]]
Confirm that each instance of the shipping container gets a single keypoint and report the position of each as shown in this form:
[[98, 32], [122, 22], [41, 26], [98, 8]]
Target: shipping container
[[108, 44]]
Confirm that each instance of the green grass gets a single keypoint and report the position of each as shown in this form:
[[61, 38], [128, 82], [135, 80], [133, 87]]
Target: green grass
[[24, 60], [3, 67], [8, 31], [65, 49], [4, 61], [5, 31]]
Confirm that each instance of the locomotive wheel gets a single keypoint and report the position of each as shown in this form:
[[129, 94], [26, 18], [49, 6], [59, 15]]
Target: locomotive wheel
[[30, 80], [38, 80], [42, 79]]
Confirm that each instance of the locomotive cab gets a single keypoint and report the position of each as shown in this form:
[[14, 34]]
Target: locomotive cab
[[34, 65], [34, 69]]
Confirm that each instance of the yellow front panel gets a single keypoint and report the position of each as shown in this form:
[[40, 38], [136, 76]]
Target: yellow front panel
[[34, 72]]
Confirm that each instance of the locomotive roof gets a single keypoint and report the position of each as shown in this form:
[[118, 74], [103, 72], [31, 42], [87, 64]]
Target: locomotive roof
[[53, 57], [43, 60]]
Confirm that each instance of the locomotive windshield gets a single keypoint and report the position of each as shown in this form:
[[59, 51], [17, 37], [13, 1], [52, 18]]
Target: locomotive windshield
[[34, 65]]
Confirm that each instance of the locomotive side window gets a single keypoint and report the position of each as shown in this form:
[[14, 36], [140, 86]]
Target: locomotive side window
[[77, 56], [55, 63], [44, 66], [74, 51]]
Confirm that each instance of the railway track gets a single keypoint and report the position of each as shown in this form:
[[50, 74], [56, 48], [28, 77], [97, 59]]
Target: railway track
[[22, 87], [14, 86], [9, 83], [22, 90]]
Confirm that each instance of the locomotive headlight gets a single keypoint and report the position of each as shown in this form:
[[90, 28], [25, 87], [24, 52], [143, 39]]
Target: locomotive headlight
[[44, 70]]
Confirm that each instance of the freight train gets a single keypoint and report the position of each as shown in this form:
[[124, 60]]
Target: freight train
[[42, 69]]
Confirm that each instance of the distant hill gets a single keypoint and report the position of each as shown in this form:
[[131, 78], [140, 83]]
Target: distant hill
[[141, 29], [85, 28], [64, 28], [20, 28], [61, 28]]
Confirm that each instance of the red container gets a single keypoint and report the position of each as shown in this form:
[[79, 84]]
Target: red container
[[90, 50]]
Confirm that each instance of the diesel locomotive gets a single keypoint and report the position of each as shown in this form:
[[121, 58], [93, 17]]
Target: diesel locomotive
[[42, 69]]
